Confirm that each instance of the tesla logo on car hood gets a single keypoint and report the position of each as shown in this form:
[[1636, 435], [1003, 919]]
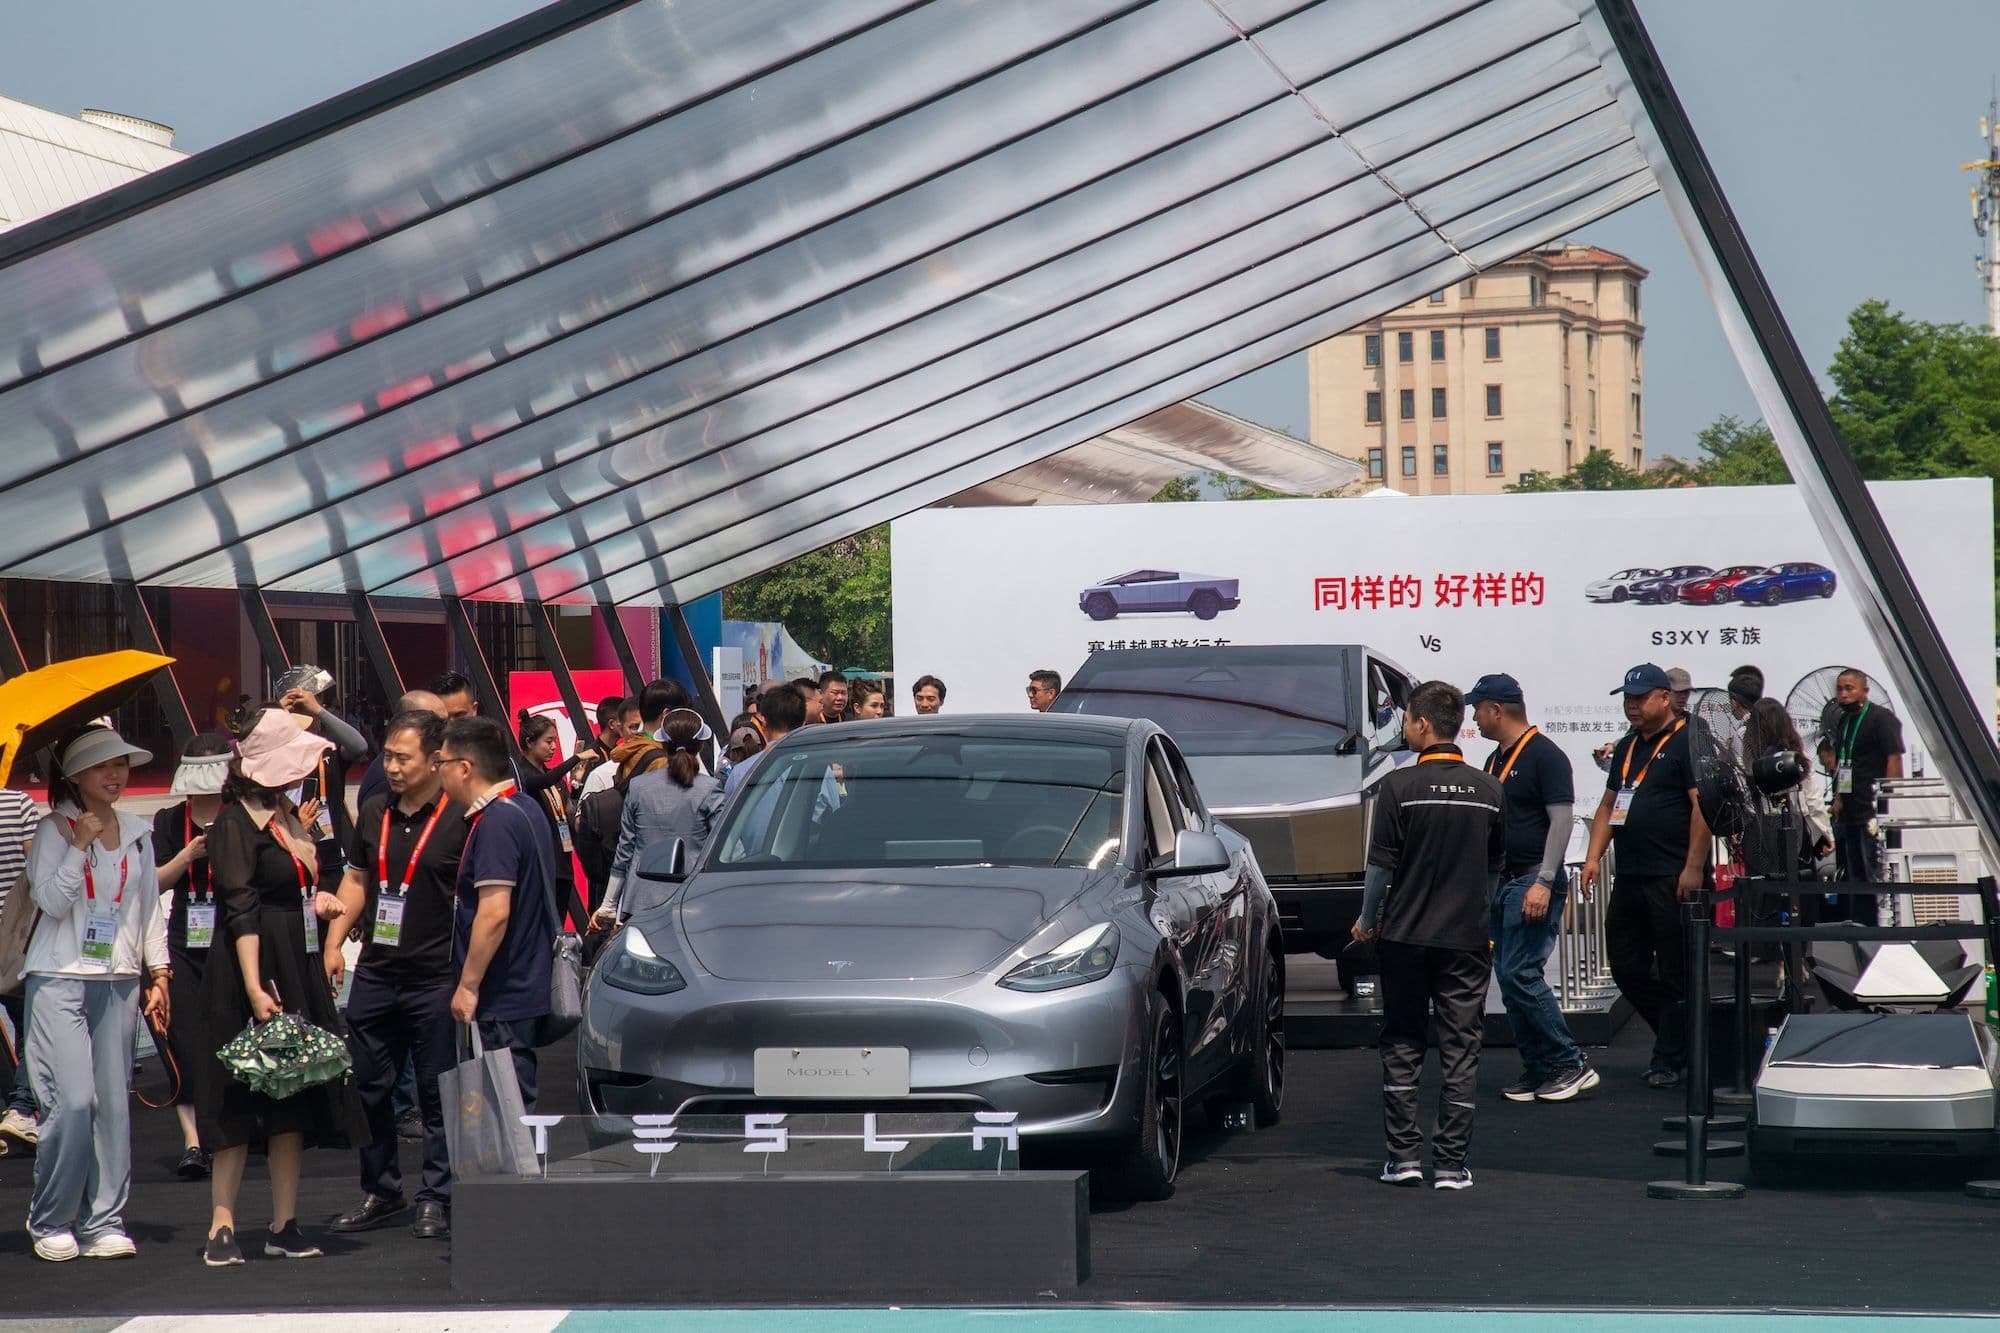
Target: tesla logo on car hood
[[839, 964]]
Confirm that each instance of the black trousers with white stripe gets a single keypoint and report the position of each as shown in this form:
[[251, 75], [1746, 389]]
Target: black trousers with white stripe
[[1431, 997]]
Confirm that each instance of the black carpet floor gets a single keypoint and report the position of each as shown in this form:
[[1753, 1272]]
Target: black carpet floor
[[1558, 1217]]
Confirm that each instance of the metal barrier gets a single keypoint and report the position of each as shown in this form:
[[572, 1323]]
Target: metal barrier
[[1583, 960]]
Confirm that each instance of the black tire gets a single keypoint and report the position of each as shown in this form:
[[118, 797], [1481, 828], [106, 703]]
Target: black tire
[[1099, 606], [1205, 604], [1826, 589], [1146, 1167], [1773, 596], [1620, 595], [1266, 1073], [1720, 597]]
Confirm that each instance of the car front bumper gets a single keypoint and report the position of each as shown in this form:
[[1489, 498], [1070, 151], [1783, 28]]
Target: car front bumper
[[1067, 1062]]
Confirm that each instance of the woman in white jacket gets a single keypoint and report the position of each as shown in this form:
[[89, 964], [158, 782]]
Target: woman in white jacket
[[98, 929]]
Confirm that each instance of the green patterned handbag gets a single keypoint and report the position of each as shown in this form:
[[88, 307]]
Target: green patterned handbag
[[285, 1056]]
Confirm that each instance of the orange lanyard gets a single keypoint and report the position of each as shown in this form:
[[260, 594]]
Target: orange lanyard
[[1512, 755], [90, 880], [1455, 757], [305, 883], [557, 806], [1625, 769]]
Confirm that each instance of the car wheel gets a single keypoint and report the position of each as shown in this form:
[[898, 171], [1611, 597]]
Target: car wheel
[[1204, 604], [1826, 589], [1267, 1057], [1101, 607], [1147, 1167], [1719, 597], [1773, 597], [1620, 595]]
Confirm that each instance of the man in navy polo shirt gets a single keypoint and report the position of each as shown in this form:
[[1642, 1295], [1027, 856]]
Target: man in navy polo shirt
[[1651, 813], [504, 930], [1535, 775]]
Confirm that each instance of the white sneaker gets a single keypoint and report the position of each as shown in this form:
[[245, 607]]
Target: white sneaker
[[59, 1248], [109, 1245], [20, 1128]]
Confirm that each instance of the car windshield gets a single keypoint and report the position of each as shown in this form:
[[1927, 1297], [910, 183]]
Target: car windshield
[[1270, 701], [853, 802]]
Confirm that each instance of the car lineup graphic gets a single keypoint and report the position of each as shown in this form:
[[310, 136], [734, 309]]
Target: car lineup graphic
[[1698, 585], [1159, 590]]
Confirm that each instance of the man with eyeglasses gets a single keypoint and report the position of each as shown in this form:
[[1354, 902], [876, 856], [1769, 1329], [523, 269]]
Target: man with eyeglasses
[[1043, 687]]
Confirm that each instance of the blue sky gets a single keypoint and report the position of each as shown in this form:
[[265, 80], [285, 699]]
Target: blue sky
[[1836, 126]]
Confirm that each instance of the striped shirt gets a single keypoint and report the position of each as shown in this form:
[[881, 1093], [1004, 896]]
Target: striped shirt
[[18, 817]]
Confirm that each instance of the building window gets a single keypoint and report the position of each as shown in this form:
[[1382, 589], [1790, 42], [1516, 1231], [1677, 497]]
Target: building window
[[1406, 404], [1496, 458], [1635, 359], [1632, 298], [1638, 460], [1437, 298], [1440, 460], [1492, 344], [1638, 424], [1492, 400], [1590, 423], [1374, 414], [1406, 347], [1371, 349], [1375, 462], [1589, 352], [1409, 460], [1534, 289], [1567, 418], [1437, 404], [1437, 344]]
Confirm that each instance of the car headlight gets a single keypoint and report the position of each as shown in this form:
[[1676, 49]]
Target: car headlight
[[1087, 955], [633, 966]]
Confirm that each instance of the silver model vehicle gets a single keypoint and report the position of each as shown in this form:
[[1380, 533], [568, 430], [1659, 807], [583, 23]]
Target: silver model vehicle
[[1288, 742], [1205, 595], [1029, 914]]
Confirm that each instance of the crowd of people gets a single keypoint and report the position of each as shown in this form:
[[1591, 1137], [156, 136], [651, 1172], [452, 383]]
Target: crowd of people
[[1466, 878], [453, 873]]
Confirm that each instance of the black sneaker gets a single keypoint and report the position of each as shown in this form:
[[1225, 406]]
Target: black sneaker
[[289, 1243], [193, 1165], [1523, 1089], [222, 1251], [1568, 1084], [1663, 1078], [1402, 1173]]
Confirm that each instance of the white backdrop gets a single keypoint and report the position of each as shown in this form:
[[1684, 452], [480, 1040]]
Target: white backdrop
[[1449, 586]]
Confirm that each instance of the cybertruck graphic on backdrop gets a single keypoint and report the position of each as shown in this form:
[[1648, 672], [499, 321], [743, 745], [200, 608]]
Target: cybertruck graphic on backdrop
[[1205, 595]]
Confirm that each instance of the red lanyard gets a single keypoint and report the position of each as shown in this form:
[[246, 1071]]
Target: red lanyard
[[305, 883], [90, 880], [1625, 768], [416, 853], [1512, 755], [207, 872]]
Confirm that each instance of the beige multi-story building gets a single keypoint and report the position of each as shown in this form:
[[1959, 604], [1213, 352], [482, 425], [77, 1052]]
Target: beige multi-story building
[[1526, 367]]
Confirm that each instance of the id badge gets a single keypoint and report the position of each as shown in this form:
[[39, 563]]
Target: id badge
[[323, 821], [1621, 805], [1843, 780], [200, 925], [312, 927], [389, 920], [99, 933], [562, 836]]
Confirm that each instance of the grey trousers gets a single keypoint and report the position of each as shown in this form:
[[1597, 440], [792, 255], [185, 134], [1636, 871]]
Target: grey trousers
[[80, 1062], [1430, 993]]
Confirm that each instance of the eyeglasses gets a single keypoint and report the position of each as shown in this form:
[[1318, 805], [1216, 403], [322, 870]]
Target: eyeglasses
[[444, 758]]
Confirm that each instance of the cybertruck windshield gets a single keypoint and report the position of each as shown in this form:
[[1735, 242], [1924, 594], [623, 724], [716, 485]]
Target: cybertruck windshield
[[1285, 700]]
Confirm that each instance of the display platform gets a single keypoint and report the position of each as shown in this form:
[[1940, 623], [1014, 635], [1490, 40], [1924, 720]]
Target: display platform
[[1320, 1015]]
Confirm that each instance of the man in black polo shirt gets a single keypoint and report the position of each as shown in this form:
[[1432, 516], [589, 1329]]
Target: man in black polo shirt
[[1866, 741], [401, 891], [1651, 814], [1436, 845], [1535, 775]]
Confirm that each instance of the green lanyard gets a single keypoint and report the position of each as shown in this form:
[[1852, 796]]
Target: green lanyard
[[1852, 734]]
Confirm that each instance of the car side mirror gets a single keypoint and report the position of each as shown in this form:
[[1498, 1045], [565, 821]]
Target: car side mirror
[[665, 862], [1195, 853]]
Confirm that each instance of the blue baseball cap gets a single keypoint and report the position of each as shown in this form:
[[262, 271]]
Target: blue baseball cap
[[1644, 679], [1499, 688]]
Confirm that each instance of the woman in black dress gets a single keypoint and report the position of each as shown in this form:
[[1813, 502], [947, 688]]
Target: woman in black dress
[[180, 845], [550, 786], [263, 863]]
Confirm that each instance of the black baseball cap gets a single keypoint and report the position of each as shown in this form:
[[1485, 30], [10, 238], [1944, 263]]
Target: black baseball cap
[[1499, 688], [1644, 679]]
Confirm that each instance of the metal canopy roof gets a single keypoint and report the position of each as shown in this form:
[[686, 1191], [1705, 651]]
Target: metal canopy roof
[[628, 301]]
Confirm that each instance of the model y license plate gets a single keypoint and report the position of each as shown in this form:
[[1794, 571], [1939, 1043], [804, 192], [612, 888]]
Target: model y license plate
[[832, 1071]]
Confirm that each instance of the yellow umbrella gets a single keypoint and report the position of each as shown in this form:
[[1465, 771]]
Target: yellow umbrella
[[41, 707]]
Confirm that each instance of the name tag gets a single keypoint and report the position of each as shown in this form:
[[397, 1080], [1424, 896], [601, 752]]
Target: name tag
[[389, 920], [99, 933], [1621, 805], [312, 927], [323, 821], [562, 836], [200, 925], [1843, 780]]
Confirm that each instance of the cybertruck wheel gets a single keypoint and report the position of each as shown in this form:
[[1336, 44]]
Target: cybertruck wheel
[[1145, 1168], [1205, 605], [1101, 607]]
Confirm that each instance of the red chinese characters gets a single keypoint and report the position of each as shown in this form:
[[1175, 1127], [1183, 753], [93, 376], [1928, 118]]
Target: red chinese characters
[[1407, 592]]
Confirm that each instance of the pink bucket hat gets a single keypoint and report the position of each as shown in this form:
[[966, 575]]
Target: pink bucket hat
[[276, 753]]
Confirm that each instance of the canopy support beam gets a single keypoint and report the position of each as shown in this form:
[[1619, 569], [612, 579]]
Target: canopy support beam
[[146, 636], [697, 671], [621, 643], [375, 644], [485, 687], [265, 631], [13, 662], [552, 653]]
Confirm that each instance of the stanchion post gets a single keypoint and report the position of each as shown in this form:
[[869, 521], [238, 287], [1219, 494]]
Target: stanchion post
[[1739, 1093], [1989, 906], [1694, 1182]]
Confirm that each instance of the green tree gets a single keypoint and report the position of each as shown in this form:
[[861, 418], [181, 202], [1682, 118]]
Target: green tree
[[835, 601], [1598, 471], [1180, 490], [1736, 453]]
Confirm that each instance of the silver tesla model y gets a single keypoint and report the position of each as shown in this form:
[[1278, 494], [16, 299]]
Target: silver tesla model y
[[1030, 914]]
